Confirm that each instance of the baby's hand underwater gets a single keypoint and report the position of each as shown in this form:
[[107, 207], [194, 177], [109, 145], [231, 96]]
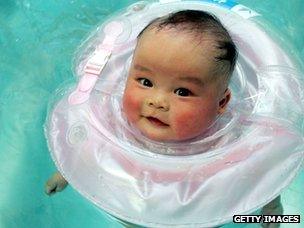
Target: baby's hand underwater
[[55, 184], [272, 208]]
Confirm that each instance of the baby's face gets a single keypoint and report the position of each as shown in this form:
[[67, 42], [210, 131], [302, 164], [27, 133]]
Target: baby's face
[[169, 95]]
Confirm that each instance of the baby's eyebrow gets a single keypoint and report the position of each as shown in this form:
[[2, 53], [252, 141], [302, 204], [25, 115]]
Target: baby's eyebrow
[[141, 68], [191, 79], [194, 80]]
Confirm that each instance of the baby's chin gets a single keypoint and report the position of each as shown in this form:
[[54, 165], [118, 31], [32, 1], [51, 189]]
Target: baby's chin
[[165, 133], [169, 137], [155, 136], [160, 138]]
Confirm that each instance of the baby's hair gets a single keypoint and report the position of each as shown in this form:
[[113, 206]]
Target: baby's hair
[[202, 23]]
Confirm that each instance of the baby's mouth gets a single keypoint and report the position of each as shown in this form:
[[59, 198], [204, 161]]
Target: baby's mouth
[[156, 121]]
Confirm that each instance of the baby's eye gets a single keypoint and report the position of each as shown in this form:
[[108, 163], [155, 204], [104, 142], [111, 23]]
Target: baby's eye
[[183, 92], [145, 82]]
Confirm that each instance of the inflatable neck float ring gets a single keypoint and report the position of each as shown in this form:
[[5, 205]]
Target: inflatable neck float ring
[[244, 161]]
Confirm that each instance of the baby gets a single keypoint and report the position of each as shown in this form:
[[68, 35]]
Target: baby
[[178, 80]]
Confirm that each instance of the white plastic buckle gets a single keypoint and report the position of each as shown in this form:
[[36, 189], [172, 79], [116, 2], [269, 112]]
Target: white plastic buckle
[[96, 64]]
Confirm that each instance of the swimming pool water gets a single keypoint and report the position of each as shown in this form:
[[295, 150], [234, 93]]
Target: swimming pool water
[[37, 42]]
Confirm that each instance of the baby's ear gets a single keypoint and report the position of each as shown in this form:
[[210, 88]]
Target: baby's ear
[[224, 101]]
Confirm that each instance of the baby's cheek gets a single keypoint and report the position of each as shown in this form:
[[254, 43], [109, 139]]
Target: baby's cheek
[[131, 106], [190, 123]]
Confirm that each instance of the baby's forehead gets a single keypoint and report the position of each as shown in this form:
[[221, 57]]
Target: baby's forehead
[[178, 31], [192, 57], [204, 42]]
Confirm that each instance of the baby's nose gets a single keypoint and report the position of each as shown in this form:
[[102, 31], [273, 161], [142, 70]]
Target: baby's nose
[[158, 103]]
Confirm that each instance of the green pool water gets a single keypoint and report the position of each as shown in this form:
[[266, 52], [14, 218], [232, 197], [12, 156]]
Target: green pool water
[[37, 42]]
